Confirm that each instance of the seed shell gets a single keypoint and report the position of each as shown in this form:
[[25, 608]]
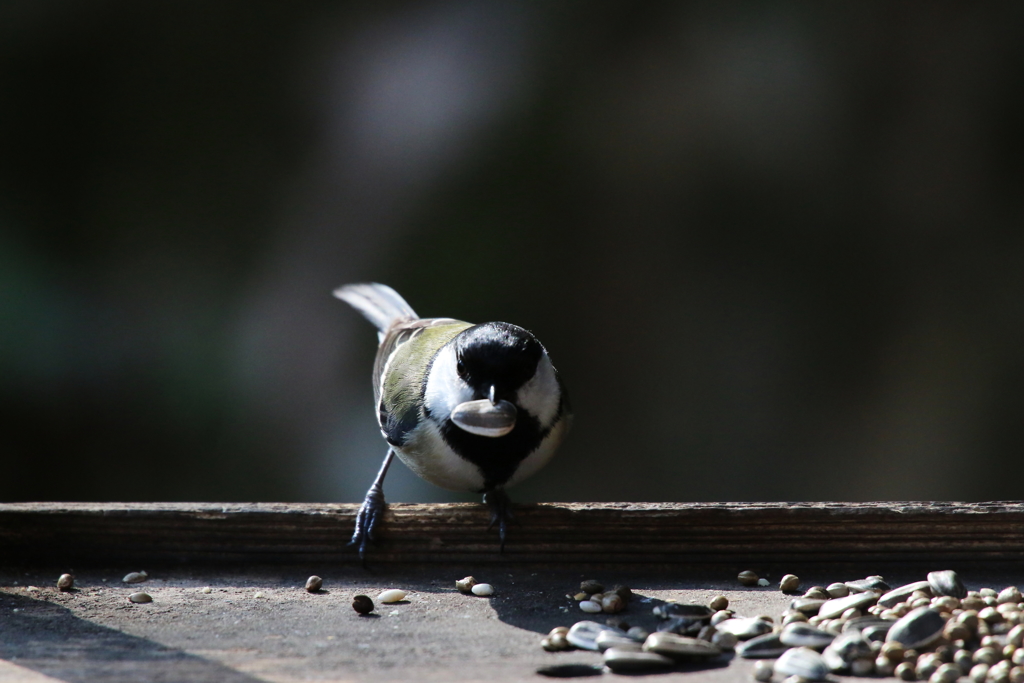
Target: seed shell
[[362, 604]]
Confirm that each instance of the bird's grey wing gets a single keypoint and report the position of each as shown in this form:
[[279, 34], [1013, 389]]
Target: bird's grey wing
[[400, 371]]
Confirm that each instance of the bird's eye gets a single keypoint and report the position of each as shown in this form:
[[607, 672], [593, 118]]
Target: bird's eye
[[460, 366]]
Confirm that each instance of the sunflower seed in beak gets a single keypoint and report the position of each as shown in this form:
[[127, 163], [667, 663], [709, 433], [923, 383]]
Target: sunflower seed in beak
[[484, 419]]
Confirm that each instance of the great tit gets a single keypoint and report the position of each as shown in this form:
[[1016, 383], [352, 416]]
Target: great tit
[[466, 407]]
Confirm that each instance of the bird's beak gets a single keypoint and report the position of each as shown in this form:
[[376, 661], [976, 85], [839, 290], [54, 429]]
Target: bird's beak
[[490, 395], [485, 418]]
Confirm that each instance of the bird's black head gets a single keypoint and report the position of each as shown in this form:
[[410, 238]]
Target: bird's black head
[[497, 354]]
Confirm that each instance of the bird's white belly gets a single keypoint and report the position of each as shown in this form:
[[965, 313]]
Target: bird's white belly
[[540, 457], [428, 455]]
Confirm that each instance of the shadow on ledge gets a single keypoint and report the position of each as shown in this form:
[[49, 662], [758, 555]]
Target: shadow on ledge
[[50, 640]]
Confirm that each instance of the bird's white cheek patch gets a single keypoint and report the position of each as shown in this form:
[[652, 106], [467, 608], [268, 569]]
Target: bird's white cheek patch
[[540, 396], [445, 389]]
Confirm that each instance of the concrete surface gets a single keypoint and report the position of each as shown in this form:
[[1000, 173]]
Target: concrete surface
[[287, 635]]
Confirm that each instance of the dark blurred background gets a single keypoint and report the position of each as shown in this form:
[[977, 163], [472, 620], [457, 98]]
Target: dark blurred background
[[774, 248]]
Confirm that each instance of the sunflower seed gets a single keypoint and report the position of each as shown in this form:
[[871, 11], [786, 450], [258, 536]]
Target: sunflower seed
[[66, 582], [920, 628], [803, 662], [629, 661], [836, 606], [872, 583], [680, 647], [947, 582], [135, 577], [583, 634], [808, 606], [140, 597], [804, 635], [745, 628], [901, 594], [763, 647], [847, 647], [607, 639], [314, 583]]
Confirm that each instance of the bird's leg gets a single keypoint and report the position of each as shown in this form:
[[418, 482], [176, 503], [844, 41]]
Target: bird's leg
[[501, 512], [371, 509]]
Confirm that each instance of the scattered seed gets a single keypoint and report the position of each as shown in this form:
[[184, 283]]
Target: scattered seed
[[789, 583], [763, 671], [590, 607], [483, 589], [747, 578], [612, 604], [905, 672], [362, 604], [140, 597], [590, 587], [837, 590], [66, 582], [466, 585], [314, 583], [719, 602], [207, 590], [258, 594], [947, 582], [763, 583], [391, 595], [135, 577], [819, 593]]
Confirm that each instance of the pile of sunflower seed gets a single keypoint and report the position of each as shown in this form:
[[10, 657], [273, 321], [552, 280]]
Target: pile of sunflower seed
[[593, 598], [932, 630]]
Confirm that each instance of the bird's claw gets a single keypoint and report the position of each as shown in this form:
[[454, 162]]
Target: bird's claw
[[501, 513], [367, 518]]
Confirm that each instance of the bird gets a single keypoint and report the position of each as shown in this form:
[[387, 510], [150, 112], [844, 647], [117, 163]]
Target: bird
[[466, 407]]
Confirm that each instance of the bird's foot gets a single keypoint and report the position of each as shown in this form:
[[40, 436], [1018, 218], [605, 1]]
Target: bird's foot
[[369, 515], [501, 513]]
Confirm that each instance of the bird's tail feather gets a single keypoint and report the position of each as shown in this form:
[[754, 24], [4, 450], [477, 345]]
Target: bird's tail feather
[[378, 303]]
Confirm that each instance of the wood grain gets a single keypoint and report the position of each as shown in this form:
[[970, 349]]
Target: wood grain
[[608, 533]]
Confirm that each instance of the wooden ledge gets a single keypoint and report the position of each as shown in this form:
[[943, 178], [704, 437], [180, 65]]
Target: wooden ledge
[[635, 533]]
